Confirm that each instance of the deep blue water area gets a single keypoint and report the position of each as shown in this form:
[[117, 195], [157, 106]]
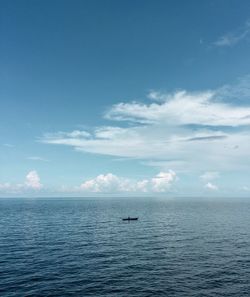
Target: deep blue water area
[[81, 247]]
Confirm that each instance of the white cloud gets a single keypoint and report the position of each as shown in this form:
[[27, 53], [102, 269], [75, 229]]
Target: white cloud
[[106, 183], [210, 175], [181, 130], [211, 186], [78, 133], [143, 185], [183, 108], [75, 134], [232, 38], [36, 158], [162, 182], [33, 180]]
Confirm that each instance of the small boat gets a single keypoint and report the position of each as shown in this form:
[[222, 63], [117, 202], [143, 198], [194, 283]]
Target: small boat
[[130, 219]]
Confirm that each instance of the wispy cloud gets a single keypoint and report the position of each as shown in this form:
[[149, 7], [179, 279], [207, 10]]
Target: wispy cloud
[[8, 145], [237, 93], [210, 175], [76, 134], [36, 158], [246, 188], [183, 108], [232, 38], [198, 130], [202, 138]]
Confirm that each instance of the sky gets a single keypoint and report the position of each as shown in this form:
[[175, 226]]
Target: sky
[[131, 97]]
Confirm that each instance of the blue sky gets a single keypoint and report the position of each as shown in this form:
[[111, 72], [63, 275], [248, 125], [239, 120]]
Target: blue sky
[[125, 97]]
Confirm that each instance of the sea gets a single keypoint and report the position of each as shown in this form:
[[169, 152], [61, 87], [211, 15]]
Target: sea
[[81, 247]]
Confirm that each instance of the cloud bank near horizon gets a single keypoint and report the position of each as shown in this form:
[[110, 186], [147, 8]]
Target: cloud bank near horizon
[[160, 183], [32, 183], [103, 183], [165, 182]]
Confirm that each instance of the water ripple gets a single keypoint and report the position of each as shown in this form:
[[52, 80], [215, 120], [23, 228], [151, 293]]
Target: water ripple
[[73, 247]]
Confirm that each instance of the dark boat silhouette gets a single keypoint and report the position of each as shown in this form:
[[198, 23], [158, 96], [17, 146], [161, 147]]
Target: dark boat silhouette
[[130, 219]]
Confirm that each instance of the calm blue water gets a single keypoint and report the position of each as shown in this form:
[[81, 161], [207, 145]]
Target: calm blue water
[[74, 247]]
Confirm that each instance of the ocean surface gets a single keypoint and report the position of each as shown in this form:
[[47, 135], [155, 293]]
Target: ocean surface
[[75, 247]]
